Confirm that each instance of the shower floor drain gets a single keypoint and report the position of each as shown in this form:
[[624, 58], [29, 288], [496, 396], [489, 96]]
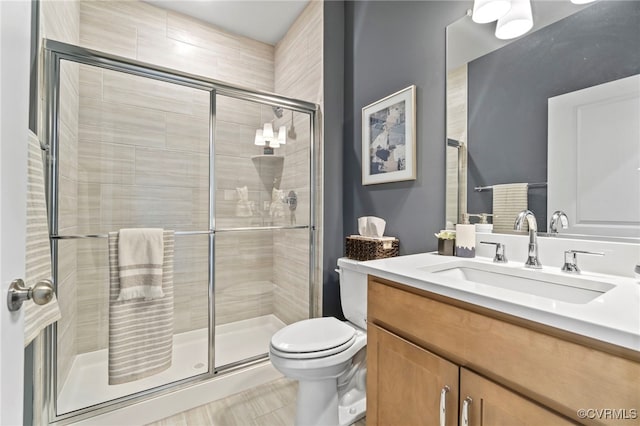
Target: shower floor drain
[[198, 366]]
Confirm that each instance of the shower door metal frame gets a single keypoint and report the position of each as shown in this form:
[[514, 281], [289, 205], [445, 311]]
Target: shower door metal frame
[[54, 53]]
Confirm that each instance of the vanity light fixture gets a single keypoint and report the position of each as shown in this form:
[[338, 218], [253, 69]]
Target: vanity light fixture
[[517, 21], [266, 136], [485, 11]]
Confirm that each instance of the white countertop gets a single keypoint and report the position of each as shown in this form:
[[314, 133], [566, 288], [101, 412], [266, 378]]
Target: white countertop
[[612, 317]]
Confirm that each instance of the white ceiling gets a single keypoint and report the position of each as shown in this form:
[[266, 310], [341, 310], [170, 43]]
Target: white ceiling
[[263, 20]]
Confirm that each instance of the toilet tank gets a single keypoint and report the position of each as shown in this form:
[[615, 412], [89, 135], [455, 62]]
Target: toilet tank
[[353, 292]]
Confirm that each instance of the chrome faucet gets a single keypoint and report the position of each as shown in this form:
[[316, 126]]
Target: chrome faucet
[[558, 218], [532, 261]]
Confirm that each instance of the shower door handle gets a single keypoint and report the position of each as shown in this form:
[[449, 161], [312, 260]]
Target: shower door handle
[[41, 293]]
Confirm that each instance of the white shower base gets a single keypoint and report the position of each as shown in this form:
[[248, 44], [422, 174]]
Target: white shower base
[[87, 382]]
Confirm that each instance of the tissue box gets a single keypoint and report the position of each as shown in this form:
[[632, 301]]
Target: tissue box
[[367, 248]]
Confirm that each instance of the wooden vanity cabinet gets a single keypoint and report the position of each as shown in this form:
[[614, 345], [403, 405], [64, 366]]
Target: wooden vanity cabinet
[[515, 372], [490, 404], [408, 383]]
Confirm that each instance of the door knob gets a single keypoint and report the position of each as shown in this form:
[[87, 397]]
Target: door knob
[[41, 293]]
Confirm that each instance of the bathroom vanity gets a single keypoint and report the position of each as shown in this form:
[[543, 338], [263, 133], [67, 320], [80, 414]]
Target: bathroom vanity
[[452, 350]]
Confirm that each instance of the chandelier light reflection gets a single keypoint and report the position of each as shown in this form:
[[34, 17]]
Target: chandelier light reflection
[[267, 137]]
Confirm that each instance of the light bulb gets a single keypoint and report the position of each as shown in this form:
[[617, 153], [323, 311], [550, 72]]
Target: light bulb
[[267, 131], [516, 22], [485, 11], [282, 135], [259, 140]]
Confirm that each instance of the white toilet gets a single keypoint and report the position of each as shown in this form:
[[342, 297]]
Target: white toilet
[[328, 357]]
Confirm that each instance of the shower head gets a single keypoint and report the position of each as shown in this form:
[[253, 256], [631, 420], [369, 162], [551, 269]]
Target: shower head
[[278, 111]]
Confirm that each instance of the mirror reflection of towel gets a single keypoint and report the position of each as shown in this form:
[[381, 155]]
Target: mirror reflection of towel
[[508, 200]]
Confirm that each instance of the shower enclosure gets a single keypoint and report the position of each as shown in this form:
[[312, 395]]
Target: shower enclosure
[[130, 145]]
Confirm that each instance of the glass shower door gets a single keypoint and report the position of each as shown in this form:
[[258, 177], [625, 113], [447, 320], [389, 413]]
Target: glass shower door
[[262, 217], [132, 152]]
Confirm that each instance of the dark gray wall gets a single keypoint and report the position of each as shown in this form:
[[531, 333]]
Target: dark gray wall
[[333, 141], [509, 88], [390, 45]]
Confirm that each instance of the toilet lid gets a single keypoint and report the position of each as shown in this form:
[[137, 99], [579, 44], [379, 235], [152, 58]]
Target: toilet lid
[[312, 335]]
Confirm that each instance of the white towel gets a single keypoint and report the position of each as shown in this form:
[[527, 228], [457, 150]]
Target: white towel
[[38, 253], [276, 208], [508, 200], [140, 255], [140, 331]]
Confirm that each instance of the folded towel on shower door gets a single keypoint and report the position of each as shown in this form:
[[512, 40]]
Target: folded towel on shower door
[[140, 331], [38, 253], [508, 200], [140, 253]]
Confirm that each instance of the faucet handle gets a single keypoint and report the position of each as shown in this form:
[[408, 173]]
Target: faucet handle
[[571, 260], [558, 218], [500, 256]]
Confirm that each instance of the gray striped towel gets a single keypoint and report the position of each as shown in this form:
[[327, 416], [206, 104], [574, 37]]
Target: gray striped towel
[[140, 331], [140, 253], [38, 253], [509, 199]]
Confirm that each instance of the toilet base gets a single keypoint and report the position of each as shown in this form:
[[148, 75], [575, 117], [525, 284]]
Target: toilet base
[[349, 414], [317, 403]]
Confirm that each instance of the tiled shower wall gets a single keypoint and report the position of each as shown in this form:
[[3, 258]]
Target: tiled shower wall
[[150, 169], [298, 74]]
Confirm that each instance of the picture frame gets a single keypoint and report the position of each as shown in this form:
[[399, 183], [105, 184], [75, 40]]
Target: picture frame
[[389, 138]]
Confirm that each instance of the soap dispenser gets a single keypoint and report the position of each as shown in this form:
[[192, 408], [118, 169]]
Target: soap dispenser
[[465, 238]]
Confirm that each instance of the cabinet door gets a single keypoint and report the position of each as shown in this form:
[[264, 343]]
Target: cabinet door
[[405, 383], [493, 405]]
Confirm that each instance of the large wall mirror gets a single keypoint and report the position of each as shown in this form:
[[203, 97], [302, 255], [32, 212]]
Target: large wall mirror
[[557, 109]]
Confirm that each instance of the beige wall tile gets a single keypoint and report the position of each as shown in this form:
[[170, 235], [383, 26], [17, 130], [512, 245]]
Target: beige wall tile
[[105, 32], [233, 139], [124, 89], [116, 123], [90, 82], [60, 20], [68, 151], [88, 207], [187, 133], [155, 48], [238, 111], [197, 33], [160, 167], [298, 73], [100, 162]]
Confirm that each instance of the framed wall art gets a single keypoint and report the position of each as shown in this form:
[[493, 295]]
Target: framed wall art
[[389, 138]]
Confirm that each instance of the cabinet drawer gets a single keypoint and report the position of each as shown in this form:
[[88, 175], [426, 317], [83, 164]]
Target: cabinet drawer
[[562, 375]]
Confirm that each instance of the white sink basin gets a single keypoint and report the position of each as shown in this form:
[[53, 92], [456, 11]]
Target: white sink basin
[[571, 289]]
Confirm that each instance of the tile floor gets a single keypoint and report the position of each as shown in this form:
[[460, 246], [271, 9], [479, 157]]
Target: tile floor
[[271, 404]]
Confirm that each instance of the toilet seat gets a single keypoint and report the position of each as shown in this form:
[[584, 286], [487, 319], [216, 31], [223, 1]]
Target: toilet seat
[[313, 338]]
